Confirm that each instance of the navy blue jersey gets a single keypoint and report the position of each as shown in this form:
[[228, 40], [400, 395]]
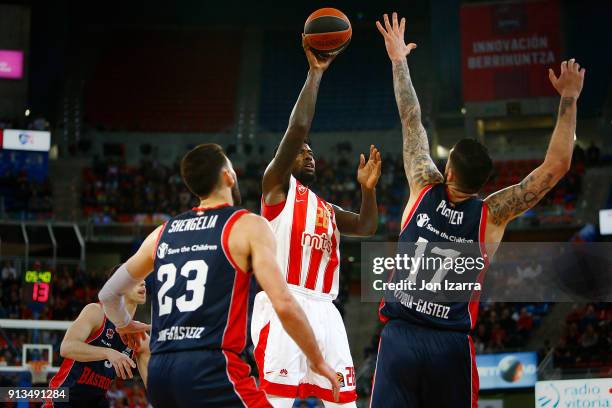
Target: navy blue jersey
[[199, 294], [435, 219], [90, 380]]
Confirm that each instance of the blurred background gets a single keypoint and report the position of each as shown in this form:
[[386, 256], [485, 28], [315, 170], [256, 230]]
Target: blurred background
[[98, 105]]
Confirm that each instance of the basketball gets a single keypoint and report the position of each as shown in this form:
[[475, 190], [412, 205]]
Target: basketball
[[328, 31]]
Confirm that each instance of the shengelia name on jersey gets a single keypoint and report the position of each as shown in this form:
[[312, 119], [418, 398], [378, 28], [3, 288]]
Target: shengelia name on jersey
[[193, 224]]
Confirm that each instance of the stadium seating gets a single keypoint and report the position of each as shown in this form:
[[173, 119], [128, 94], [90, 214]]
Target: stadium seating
[[182, 81], [587, 339], [356, 92]]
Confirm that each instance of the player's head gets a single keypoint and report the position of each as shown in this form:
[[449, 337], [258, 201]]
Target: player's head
[[304, 166], [206, 169], [469, 166]]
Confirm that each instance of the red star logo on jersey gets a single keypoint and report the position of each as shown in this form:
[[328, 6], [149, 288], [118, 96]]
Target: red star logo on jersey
[[301, 189], [110, 333]]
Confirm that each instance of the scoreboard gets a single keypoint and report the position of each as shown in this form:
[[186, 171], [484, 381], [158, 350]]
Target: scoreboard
[[37, 286]]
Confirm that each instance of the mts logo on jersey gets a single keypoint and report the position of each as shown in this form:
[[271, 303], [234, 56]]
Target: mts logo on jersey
[[454, 217], [321, 242]]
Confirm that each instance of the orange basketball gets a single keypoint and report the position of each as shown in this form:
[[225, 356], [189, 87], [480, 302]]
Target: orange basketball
[[328, 31]]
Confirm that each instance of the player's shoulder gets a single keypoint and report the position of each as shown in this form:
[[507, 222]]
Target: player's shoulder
[[250, 221], [93, 312]]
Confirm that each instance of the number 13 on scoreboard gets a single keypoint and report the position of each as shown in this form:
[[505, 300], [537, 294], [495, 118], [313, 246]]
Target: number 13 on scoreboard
[[40, 292]]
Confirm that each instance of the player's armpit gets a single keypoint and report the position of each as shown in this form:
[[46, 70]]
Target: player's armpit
[[512, 201]]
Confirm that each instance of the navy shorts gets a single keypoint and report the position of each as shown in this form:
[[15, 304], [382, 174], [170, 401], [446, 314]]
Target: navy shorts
[[202, 378], [419, 367]]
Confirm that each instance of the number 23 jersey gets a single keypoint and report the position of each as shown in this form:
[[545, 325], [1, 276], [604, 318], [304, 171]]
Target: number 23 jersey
[[438, 228], [199, 293]]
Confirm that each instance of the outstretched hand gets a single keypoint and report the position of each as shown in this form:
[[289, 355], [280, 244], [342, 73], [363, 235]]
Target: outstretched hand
[[393, 33], [570, 80], [369, 172], [317, 62]]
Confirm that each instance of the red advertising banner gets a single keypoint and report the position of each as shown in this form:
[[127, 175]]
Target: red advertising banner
[[507, 47]]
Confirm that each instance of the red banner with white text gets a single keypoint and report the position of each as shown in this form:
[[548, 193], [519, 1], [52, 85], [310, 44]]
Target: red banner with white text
[[506, 49]]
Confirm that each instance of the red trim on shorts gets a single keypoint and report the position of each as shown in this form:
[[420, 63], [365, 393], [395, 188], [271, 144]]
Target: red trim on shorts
[[278, 390], [235, 333], [300, 210], [161, 231], [375, 368], [316, 255], [475, 297], [214, 207], [244, 385], [270, 212], [475, 381], [260, 350], [306, 390]]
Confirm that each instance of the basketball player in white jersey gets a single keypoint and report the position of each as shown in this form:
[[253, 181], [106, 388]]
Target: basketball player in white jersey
[[307, 230]]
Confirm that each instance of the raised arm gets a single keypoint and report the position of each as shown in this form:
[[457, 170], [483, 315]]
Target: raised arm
[[252, 236], [75, 347], [276, 177], [512, 201], [125, 278], [366, 222], [420, 168]]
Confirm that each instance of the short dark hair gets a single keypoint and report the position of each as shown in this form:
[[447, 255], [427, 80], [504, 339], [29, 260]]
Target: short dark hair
[[471, 164], [200, 168]]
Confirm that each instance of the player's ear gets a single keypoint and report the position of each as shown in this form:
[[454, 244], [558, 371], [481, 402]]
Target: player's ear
[[449, 175], [227, 178]]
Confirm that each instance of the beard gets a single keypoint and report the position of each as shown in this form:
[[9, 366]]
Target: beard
[[236, 196], [306, 178]]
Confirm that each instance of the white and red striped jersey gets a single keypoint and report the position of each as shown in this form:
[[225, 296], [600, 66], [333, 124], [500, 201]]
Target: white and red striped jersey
[[308, 241]]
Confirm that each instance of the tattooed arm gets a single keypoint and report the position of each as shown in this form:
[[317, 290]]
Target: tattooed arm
[[512, 201], [420, 168]]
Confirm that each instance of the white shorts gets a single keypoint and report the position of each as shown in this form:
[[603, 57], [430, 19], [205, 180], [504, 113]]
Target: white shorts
[[283, 367]]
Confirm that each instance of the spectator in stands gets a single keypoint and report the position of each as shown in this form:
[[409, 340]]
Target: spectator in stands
[[524, 324], [8, 271], [589, 339]]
